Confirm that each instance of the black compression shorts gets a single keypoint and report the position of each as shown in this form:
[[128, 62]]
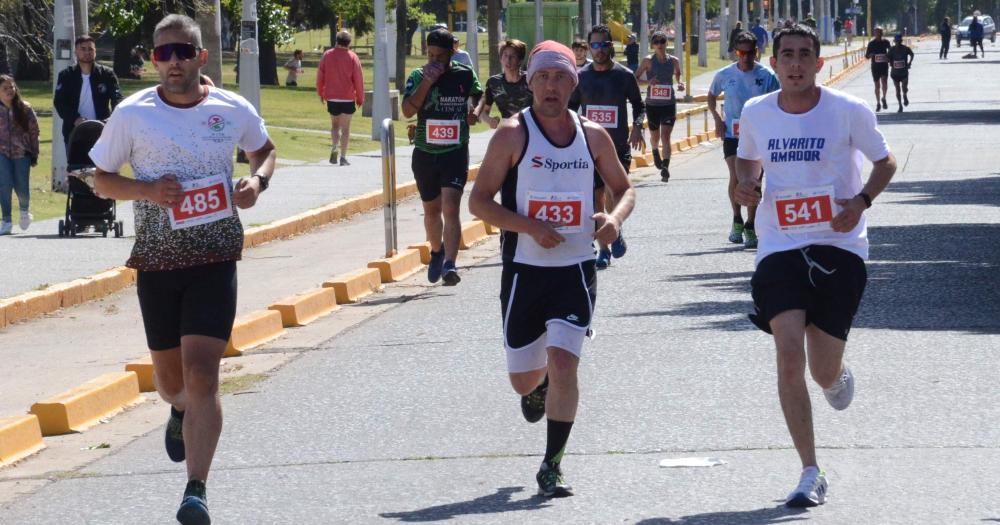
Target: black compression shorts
[[880, 71], [434, 171], [729, 146], [340, 108], [661, 116], [825, 281], [200, 300]]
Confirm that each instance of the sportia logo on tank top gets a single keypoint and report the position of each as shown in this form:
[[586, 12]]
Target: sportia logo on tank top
[[540, 161]]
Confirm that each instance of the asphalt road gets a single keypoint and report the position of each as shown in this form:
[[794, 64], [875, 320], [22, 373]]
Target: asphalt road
[[408, 417]]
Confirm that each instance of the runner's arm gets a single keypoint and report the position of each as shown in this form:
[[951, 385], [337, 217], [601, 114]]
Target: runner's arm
[[413, 103], [882, 172], [748, 184], [261, 166], [677, 74], [615, 180], [639, 71], [165, 191], [720, 125], [504, 150]]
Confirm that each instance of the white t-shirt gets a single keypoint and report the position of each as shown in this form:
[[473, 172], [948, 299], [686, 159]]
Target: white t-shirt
[[86, 106], [194, 143], [800, 152]]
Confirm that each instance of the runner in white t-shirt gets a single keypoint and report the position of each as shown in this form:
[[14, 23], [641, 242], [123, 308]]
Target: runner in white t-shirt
[[810, 271], [179, 138]]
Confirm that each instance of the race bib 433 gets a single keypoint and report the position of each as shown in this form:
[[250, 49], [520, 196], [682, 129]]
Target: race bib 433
[[804, 210], [563, 209], [443, 132], [205, 200], [605, 116]]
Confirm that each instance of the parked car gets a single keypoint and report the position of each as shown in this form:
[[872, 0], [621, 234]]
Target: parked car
[[989, 29]]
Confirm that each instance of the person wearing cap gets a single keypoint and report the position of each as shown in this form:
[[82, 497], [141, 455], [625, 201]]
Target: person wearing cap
[[602, 95], [542, 163], [439, 94], [878, 53], [900, 60]]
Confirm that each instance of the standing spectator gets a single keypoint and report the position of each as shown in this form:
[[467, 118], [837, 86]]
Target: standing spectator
[[761, 34], [837, 27], [945, 31], [341, 86], [18, 151], [137, 63], [976, 36], [732, 40], [810, 21], [460, 55], [294, 68], [849, 30], [580, 52], [632, 53], [87, 90]]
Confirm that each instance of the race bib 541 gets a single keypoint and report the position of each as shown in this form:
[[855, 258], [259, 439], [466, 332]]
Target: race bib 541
[[804, 210], [605, 116], [563, 209], [443, 132], [205, 200]]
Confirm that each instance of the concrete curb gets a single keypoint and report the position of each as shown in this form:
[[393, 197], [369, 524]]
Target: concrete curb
[[254, 329], [425, 251], [143, 369], [472, 232], [20, 437], [82, 407], [306, 307], [399, 266], [350, 287]]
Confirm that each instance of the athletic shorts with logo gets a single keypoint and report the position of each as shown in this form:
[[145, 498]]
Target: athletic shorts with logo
[[337, 108], [543, 307], [825, 281], [197, 300], [661, 115], [434, 171], [729, 146]]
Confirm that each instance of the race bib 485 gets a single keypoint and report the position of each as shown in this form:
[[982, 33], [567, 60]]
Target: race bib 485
[[205, 200]]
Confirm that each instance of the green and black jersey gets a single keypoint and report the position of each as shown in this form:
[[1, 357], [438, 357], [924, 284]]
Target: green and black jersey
[[446, 103]]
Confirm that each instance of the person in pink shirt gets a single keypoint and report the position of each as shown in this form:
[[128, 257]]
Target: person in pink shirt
[[341, 86]]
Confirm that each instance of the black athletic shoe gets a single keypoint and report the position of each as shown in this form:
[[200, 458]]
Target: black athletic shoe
[[434, 267], [551, 483], [533, 404], [619, 246], [878, 106], [900, 110], [343, 161], [174, 438], [906, 100], [665, 175], [194, 506], [450, 274], [657, 161], [884, 103]]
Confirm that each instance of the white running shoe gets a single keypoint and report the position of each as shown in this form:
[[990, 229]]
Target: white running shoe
[[842, 392], [26, 219], [5, 228], [811, 490]]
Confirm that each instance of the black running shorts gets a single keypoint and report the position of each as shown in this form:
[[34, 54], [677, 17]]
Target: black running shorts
[[200, 300], [729, 146], [880, 71], [434, 171], [899, 74], [624, 157], [661, 116], [825, 281], [340, 108]]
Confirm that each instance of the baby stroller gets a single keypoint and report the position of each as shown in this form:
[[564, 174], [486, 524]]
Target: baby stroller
[[84, 208]]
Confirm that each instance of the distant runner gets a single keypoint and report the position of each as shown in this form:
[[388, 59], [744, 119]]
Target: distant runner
[[900, 60], [878, 53], [661, 70]]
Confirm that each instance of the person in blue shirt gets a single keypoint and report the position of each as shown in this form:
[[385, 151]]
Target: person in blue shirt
[[976, 36], [740, 81], [762, 37]]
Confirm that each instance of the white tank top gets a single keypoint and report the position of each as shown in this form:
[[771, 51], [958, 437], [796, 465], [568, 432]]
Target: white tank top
[[554, 184]]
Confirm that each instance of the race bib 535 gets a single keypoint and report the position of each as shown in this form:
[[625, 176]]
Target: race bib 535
[[605, 116]]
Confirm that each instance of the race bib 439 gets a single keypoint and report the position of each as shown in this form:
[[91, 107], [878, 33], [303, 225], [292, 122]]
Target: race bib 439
[[605, 116], [205, 200], [804, 210], [563, 209], [443, 132]]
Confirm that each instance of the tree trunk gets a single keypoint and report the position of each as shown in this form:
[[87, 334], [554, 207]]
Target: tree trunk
[[4, 66], [268, 64], [493, 28], [210, 23], [402, 49]]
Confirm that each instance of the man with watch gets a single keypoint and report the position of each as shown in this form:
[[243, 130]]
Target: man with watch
[[601, 96], [179, 138], [810, 271]]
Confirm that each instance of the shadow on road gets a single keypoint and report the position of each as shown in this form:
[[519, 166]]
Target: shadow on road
[[948, 116], [984, 191], [765, 516], [491, 504], [970, 61]]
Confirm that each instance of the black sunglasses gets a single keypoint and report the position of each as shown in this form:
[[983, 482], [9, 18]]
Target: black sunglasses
[[162, 53], [658, 42], [599, 45]]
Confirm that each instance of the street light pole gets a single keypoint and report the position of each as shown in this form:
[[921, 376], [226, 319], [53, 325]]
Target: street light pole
[[62, 58], [250, 55], [380, 82], [471, 33], [539, 25]]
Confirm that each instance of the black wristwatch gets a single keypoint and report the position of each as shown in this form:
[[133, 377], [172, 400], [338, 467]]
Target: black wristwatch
[[264, 181], [868, 200]]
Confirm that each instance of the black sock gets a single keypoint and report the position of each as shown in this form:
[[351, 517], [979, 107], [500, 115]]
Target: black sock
[[666, 163], [656, 159], [195, 488], [748, 226], [737, 219], [555, 446], [176, 413]]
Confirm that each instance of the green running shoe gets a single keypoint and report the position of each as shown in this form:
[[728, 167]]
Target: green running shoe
[[736, 234], [751, 239], [551, 483]]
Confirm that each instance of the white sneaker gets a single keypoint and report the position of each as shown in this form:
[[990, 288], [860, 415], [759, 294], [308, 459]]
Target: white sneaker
[[842, 392], [811, 490], [5, 228], [26, 219]]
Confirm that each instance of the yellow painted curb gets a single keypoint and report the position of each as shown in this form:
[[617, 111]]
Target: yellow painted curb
[[84, 406], [304, 308], [350, 287], [472, 232], [473, 172], [643, 161], [20, 437], [143, 369], [491, 229], [398, 267], [254, 329], [425, 251]]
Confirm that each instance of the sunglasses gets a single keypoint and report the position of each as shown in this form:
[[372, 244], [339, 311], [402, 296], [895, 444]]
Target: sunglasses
[[162, 53], [599, 45], [659, 42], [741, 53]]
